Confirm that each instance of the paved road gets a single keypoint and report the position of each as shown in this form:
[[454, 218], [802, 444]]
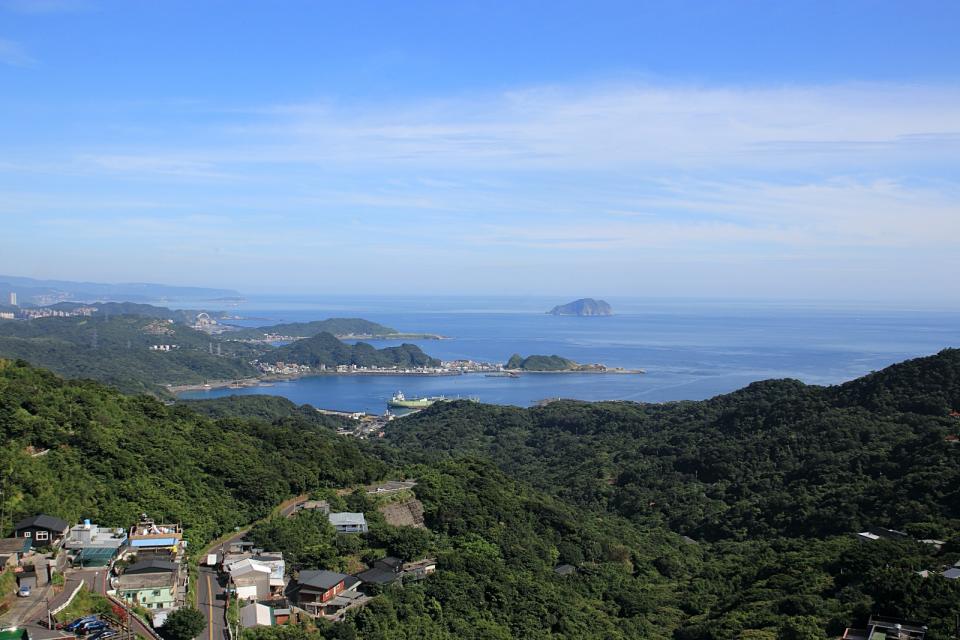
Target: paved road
[[210, 601], [211, 598]]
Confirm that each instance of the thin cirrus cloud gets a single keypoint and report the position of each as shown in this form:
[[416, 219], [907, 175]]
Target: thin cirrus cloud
[[608, 127], [845, 175]]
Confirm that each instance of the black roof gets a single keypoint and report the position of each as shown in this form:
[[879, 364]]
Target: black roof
[[151, 566], [43, 521], [320, 579]]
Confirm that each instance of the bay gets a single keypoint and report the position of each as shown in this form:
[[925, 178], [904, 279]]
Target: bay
[[691, 349]]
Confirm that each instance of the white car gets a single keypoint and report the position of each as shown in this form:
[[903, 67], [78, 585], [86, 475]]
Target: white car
[[24, 592]]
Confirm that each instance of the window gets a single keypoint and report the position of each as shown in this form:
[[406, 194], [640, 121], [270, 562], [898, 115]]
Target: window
[[27, 534], [156, 593], [43, 535]]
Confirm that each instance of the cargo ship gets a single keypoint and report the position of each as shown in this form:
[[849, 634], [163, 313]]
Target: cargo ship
[[399, 401]]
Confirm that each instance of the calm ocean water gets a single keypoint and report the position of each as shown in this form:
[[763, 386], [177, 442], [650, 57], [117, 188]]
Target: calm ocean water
[[690, 349]]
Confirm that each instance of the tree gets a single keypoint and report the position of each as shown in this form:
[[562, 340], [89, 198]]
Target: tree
[[183, 624]]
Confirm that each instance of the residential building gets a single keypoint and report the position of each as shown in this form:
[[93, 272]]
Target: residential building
[[151, 584], [345, 522], [419, 570], [256, 615], [44, 530], [880, 628], [273, 560], [91, 545], [383, 572], [12, 551], [314, 505], [13, 299], [312, 589], [251, 579], [146, 535]]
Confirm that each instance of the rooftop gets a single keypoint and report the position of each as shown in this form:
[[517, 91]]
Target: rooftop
[[43, 521], [14, 545], [128, 582], [152, 566], [320, 579], [345, 518]]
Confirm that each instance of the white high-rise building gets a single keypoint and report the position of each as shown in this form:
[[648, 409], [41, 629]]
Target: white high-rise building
[[13, 298]]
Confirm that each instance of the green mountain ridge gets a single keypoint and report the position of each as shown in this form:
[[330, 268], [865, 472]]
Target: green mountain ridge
[[325, 349], [770, 481], [336, 326], [540, 363]]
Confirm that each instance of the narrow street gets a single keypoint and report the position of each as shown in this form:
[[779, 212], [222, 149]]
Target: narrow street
[[211, 598]]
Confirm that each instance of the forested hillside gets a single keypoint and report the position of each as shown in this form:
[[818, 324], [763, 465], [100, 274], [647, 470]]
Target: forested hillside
[[336, 326], [768, 483], [325, 349], [775, 458], [116, 350], [111, 457]]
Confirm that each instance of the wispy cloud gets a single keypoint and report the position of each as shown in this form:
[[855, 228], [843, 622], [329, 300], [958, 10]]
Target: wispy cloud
[[13, 54]]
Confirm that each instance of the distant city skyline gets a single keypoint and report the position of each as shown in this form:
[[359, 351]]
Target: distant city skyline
[[759, 150]]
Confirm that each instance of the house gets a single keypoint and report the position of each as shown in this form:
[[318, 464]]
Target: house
[[256, 615], [564, 569], [251, 579], [312, 589], [345, 522], [886, 628], [146, 535], [418, 570], [273, 560], [43, 529], [12, 551], [94, 546], [152, 566], [384, 571], [314, 505], [151, 584]]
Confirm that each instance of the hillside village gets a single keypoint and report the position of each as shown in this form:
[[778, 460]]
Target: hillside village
[[148, 573]]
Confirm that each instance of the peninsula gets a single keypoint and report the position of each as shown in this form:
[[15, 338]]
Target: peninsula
[[583, 307], [342, 328], [557, 364]]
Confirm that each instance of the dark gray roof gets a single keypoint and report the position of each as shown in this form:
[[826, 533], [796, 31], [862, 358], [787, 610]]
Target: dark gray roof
[[378, 576], [390, 562], [564, 569], [43, 521], [151, 566], [320, 579]]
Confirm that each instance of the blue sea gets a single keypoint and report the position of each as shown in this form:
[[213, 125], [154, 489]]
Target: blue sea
[[690, 349]]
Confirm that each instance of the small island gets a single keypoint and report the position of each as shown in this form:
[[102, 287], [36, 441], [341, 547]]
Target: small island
[[558, 364], [583, 307]]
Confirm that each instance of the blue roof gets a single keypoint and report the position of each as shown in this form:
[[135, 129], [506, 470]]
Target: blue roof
[[154, 542]]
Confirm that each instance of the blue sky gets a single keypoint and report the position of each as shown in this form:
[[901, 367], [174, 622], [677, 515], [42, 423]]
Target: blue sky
[[747, 149]]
